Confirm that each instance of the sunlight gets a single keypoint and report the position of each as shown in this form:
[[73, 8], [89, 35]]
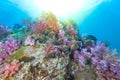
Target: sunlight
[[61, 8]]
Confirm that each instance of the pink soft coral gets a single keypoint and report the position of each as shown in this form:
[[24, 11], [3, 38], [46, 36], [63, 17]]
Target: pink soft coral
[[10, 69]]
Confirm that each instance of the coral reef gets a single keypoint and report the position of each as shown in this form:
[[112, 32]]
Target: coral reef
[[54, 50]]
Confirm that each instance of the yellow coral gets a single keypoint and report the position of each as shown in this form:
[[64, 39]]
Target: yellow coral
[[52, 21], [72, 22]]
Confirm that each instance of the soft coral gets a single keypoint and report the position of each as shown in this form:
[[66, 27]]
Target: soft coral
[[53, 22], [10, 68], [71, 30], [11, 45], [40, 26], [49, 48], [29, 41], [8, 47]]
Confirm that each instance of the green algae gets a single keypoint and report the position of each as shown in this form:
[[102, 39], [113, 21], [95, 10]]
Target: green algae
[[17, 55]]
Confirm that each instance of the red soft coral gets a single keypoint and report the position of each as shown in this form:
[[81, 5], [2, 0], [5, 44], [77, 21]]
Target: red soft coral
[[49, 48], [40, 26]]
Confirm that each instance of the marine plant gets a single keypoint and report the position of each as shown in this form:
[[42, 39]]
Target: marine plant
[[17, 55]]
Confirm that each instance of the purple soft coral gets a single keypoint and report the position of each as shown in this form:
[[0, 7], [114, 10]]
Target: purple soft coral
[[98, 55], [4, 55], [61, 34], [81, 61], [11, 45], [29, 41], [4, 30], [85, 53], [102, 65], [8, 47], [101, 47], [80, 58], [71, 30], [76, 54], [57, 51]]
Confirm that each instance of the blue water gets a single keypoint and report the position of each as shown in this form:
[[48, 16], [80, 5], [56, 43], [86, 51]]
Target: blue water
[[103, 22], [10, 14]]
